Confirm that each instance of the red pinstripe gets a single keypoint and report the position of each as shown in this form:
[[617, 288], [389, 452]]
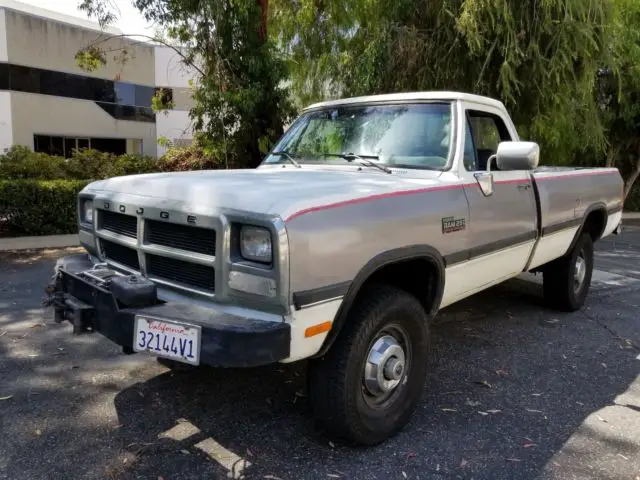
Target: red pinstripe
[[436, 188]]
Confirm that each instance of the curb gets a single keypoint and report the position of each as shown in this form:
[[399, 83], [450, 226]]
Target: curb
[[630, 218], [35, 243]]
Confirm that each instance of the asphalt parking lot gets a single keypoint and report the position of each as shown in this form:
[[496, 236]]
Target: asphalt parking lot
[[516, 391]]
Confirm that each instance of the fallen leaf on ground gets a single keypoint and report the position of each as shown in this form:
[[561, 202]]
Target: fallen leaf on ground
[[513, 459], [463, 462], [483, 413], [529, 445], [564, 356], [404, 474], [3, 333], [332, 445], [37, 325], [502, 373], [249, 452], [493, 410], [553, 320], [185, 452], [604, 364], [601, 419], [448, 409], [579, 403], [333, 475], [38, 432], [411, 455], [6, 398], [536, 394], [622, 456], [532, 410], [483, 383], [556, 464], [471, 403]]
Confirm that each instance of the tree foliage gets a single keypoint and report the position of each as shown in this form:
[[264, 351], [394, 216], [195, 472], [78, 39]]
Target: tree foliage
[[539, 57], [240, 104]]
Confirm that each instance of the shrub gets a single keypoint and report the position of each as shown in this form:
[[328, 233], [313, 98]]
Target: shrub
[[21, 163], [39, 207], [180, 159], [89, 163]]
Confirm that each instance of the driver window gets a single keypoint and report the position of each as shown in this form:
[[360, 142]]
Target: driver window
[[487, 131]]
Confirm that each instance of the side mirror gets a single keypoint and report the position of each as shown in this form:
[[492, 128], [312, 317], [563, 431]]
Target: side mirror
[[516, 156]]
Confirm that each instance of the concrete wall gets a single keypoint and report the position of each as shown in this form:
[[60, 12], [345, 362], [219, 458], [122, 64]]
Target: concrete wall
[[174, 125], [3, 38], [170, 72], [48, 115], [44, 43], [6, 124], [169, 69]]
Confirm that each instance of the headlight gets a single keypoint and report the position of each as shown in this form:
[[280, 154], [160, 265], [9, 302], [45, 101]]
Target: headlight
[[255, 244], [87, 211]]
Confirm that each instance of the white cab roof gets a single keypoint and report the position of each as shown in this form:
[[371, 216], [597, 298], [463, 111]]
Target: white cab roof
[[404, 97]]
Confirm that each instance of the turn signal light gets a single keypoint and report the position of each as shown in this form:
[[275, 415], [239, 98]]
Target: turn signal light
[[317, 329]]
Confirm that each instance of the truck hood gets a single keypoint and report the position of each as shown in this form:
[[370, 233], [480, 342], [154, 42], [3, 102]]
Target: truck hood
[[271, 190]]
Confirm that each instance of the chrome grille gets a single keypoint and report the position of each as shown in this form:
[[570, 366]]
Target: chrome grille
[[183, 237], [179, 271], [118, 223], [162, 251], [119, 253]]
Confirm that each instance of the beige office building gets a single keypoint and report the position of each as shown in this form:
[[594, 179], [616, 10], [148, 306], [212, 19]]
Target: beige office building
[[51, 105]]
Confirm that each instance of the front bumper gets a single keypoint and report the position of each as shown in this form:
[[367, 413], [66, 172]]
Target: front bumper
[[226, 340]]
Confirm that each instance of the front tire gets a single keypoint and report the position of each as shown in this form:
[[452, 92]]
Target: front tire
[[365, 389], [566, 281]]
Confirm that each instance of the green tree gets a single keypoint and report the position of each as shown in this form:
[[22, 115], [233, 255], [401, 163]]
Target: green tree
[[240, 101], [539, 57]]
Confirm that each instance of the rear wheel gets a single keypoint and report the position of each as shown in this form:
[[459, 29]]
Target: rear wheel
[[366, 387], [566, 281]]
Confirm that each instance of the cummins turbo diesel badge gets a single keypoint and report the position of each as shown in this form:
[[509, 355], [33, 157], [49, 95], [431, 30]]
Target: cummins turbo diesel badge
[[453, 224]]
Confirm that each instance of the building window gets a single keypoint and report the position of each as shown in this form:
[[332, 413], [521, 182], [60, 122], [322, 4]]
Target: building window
[[64, 146], [126, 99]]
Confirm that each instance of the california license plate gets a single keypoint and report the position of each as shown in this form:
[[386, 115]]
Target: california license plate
[[163, 338]]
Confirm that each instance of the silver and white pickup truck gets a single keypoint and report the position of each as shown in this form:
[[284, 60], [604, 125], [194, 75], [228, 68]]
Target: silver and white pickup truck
[[369, 216]]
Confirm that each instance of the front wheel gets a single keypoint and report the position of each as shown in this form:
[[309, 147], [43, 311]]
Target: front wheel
[[366, 387], [566, 280]]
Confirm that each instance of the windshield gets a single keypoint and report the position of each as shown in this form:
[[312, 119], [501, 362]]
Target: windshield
[[408, 136]]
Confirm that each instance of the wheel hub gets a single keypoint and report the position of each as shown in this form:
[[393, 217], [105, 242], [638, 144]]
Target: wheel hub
[[385, 366], [580, 272]]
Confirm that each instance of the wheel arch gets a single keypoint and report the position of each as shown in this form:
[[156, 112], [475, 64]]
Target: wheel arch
[[392, 262], [594, 221]]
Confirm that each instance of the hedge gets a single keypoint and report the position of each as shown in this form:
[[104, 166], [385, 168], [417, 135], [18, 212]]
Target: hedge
[[38, 192], [21, 163], [39, 207]]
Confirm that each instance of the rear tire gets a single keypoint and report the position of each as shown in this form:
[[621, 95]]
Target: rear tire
[[366, 387], [566, 281]]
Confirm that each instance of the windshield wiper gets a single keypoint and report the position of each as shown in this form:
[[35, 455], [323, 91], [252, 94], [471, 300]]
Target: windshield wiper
[[288, 156], [364, 159]]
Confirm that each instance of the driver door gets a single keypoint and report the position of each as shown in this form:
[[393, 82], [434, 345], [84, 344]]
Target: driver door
[[502, 229]]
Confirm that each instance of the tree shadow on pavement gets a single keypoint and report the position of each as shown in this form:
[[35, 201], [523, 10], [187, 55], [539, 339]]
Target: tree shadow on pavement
[[509, 384]]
